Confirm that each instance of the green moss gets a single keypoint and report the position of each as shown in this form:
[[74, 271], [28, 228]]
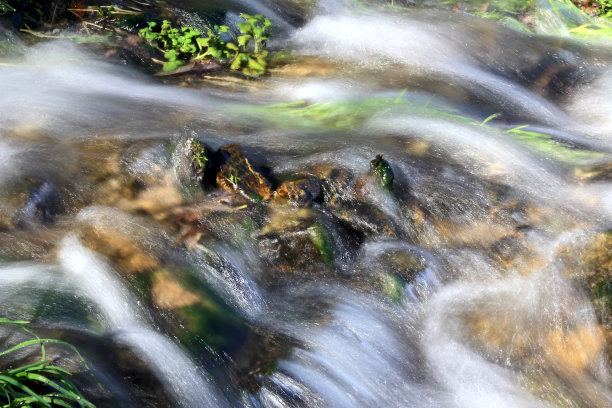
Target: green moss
[[335, 115], [393, 287], [382, 171], [321, 239], [211, 323]]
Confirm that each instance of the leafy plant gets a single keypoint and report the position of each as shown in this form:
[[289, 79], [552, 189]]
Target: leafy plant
[[234, 179], [38, 384], [253, 29], [186, 43], [180, 45], [605, 8]]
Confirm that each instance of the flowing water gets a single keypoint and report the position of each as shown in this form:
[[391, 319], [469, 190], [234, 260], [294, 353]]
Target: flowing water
[[464, 285]]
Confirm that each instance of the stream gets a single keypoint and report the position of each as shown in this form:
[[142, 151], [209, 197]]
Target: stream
[[477, 279]]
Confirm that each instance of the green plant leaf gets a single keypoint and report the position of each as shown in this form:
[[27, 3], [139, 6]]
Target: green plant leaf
[[172, 65], [253, 64]]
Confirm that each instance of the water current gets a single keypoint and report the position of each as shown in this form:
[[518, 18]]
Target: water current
[[466, 284]]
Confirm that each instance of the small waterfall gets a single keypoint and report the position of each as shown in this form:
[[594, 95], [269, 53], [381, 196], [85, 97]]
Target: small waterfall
[[125, 317]]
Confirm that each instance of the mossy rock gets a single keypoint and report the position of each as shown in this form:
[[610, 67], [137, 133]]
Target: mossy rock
[[381, 169], [238, 175], [296, 241]]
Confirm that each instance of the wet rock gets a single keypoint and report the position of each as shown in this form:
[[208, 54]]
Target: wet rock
[[42, 205], [295, 241], [132, 50], [196, 68], [20, 244], [403, 263], [590, 266], [364, 220], [499, 334], [556, 74], [352, 201], [381, 170], [209, 323], [387, 266], [100, 159], [478, 233], [292, 67], [259, 357], [302, 192], [237, 175]]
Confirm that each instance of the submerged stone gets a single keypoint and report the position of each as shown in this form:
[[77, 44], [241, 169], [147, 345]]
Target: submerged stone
[[590, 266], [295, 242], [168, 293], [42, 205], [120, 247], [301, 192], [237, 175], [599, 172]]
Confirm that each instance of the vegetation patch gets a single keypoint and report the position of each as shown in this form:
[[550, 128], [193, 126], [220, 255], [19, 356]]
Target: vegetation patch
[[186, 44], [39, 384]]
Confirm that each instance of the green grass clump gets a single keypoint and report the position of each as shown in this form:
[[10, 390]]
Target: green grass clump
[[38, 384]]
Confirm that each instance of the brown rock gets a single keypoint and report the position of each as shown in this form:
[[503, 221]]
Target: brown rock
[[300, 192], [237, 175]]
